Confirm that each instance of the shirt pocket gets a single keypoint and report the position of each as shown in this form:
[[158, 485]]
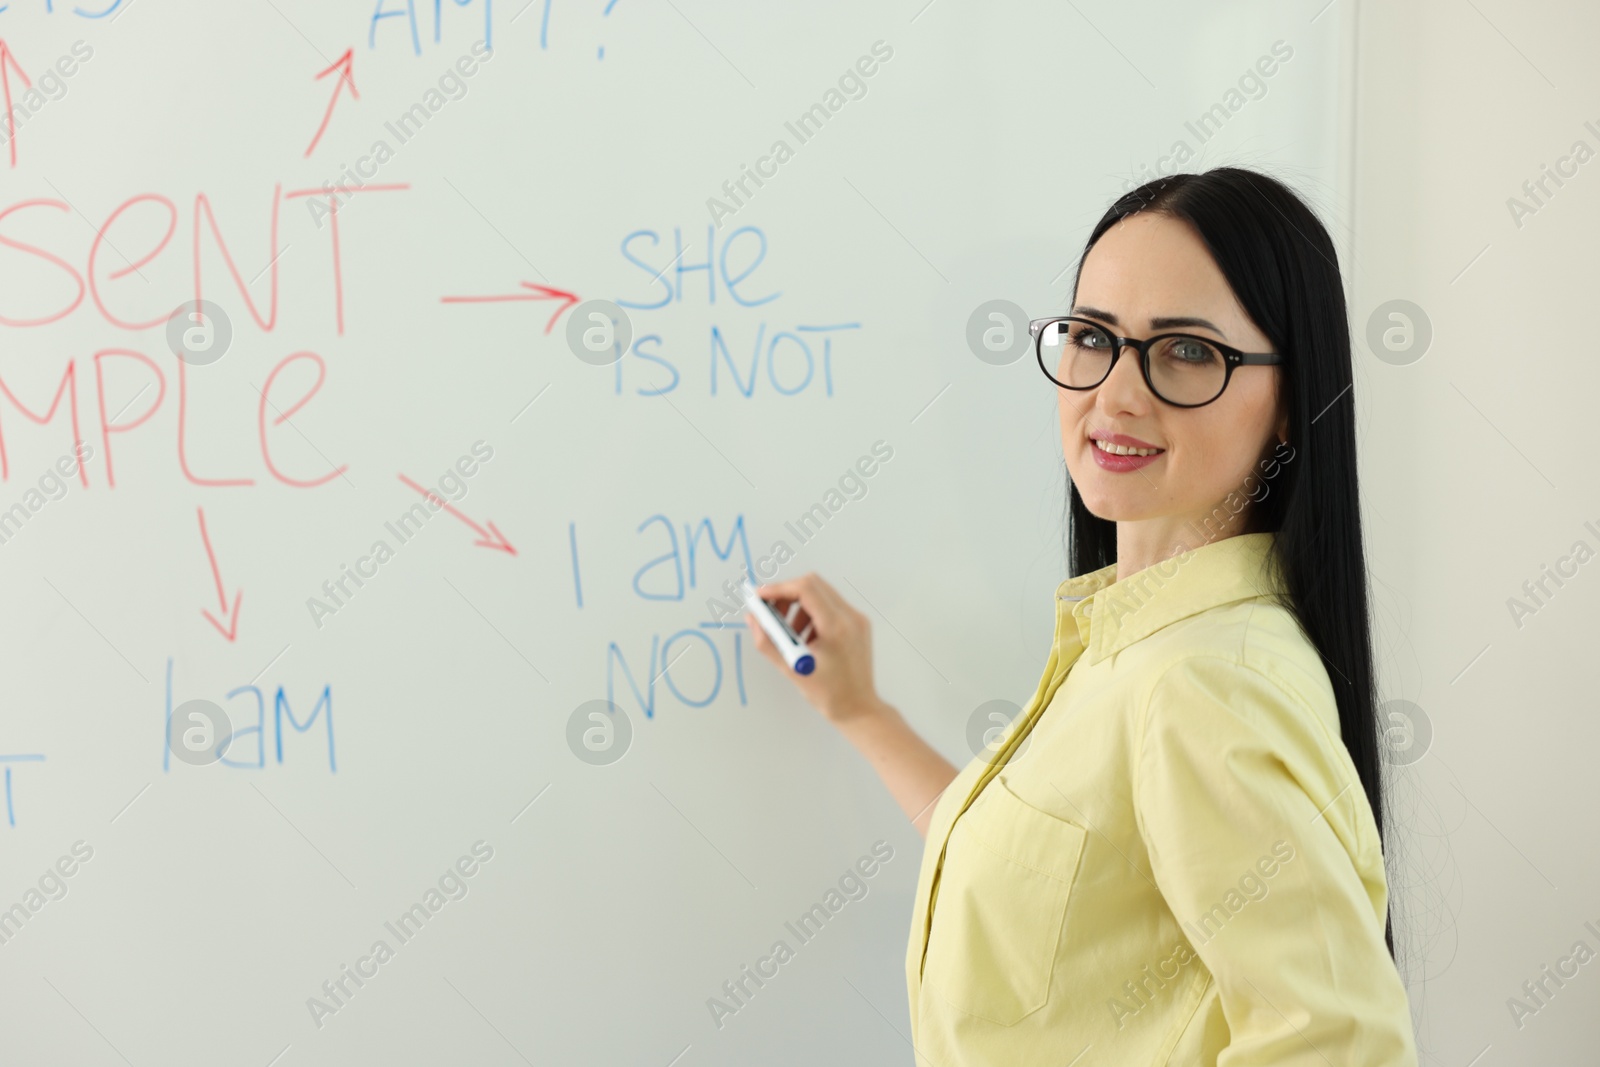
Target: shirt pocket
[[1002, 898]]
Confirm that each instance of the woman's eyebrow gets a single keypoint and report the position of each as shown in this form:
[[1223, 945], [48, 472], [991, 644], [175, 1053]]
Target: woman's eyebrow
[[1163, 323]]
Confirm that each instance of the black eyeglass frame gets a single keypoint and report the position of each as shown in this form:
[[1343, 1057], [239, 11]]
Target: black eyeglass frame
[[1231, 357]]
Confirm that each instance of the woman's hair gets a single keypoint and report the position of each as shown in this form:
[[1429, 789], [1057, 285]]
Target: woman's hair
[[1281, 265]]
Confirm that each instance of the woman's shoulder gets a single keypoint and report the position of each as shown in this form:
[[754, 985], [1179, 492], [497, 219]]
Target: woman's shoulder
[[1259, 637], [1245, 678]]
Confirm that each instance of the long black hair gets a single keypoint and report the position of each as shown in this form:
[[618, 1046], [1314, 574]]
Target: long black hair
[[1282, 267]]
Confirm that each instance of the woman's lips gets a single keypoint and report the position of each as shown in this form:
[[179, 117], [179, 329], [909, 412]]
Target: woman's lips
[[1111, 461], [1122, 439]]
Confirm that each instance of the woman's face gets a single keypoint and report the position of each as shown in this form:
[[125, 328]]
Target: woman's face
[[1149, 267]]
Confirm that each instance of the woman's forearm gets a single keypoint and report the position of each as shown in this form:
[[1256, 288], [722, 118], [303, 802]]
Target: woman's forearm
[[913, 771], [840, 688]]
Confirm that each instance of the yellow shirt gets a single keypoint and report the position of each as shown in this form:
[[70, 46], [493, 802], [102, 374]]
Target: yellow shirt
[[1168, 858]]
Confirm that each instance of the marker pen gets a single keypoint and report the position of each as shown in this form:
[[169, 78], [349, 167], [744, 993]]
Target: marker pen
[[779, 632]]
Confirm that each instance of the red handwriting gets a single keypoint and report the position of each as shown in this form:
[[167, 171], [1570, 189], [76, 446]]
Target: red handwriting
[[131, 268], [342, 65], [48, 257], [536, 292], [8, 59], [284, 416], [113, 423], [333, 218], [131, 381], [68, 387], [106, 428], [202, 204], [136, 228], [490, 538], [222, 597]]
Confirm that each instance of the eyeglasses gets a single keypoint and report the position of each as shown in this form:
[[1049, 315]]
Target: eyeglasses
[[1181, 369]]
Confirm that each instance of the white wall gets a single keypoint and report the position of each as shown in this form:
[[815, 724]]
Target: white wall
[[1479, 467]]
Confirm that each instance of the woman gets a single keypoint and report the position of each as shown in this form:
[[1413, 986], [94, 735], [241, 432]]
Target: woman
[[1183, 864]]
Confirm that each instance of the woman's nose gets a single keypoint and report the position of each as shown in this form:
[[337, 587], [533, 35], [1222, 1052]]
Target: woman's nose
[[1124, 388]]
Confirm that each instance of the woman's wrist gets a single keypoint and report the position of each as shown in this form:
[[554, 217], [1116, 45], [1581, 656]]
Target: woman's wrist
[[864, 712], [878, 731]]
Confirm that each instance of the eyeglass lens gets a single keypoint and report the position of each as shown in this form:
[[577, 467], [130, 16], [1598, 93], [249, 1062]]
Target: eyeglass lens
[[1183, 369]]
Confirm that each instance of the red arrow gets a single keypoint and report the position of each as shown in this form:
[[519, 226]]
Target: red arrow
[[490, 538], [538, 292], [342, 65], [216, 574], [11, 120]]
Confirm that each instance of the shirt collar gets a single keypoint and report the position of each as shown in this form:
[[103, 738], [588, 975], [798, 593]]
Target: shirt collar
[[1111, 615]]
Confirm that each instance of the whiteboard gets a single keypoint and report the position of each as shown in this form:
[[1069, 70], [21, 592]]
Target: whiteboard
[[396, 357]]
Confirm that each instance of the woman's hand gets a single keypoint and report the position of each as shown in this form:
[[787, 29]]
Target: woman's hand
[[841, 640], [841, 689]]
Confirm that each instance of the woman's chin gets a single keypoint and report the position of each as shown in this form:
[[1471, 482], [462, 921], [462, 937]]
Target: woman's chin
[[1115, 503], [1111, 507]]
